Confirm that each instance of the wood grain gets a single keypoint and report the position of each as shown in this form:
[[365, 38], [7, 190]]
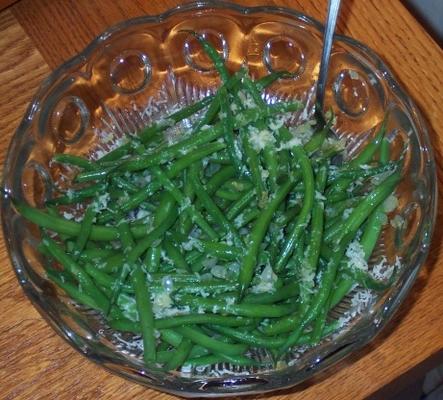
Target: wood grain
[[6, 3], [38, 35]]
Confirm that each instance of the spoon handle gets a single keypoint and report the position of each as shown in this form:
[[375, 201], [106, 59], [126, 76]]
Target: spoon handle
[[328, 38]]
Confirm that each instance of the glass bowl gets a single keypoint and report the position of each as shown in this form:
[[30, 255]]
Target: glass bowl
[[138, 71]]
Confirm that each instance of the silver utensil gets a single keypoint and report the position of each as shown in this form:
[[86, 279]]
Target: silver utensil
[[328, 38]]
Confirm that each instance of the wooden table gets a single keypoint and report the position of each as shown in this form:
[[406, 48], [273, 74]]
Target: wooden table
[[37, 35]]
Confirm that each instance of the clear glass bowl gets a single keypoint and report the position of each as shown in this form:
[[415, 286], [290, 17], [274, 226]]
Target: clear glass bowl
[[135, 73]]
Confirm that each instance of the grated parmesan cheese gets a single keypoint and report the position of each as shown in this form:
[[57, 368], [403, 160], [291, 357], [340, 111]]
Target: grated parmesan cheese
[[356, 256], [267, 280], [102, 202], [259, 139], [397, 222], [382, 271], [319, 196], [306, 276], [347, 213], [390, 204], [68, 215], [360, 302], [160, 302]]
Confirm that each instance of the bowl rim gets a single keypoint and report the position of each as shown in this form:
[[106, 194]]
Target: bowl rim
[[217, 4], [83, 56]]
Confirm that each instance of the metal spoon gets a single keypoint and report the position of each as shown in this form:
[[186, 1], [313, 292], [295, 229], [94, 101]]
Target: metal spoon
[[328, 38]]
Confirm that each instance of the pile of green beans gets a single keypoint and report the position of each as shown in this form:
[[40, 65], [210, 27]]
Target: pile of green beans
[[230, 238]]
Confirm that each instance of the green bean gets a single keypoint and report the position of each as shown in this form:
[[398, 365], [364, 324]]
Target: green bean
[[184, 220], [213, 54], [221, 250], [316, 231], [246, 217], [111, 264], [75, 196], [198, 264], [219, 97], [197, 319], [148, 240], [172, 171], [282, 220], [74, 160], [185, 278], [303, 218], [184, 202], [239, 185], [234, 151], [319, 137], [103, 279], [175, 117], [367, 281], [221, 158], [152, 259], [125, 236], [257, 234], [333, 198], [95, 254], [116, 154], [192, 157], [283, 293], [171, 337], [144, 308], [151, 132], [228, 194], [319, 299], [255, 93], [174, 339], [180, 320], [358, 173], [336, 210], [369, 150], [180, 283], [198, 337], [70, 228], [95, 174], [253, 339], [124, 184], [85, 229], [73, 268], [72, 290], [176, 257], [367, 243], [319, 323], [269, 150], [253, 163], [164, 356], [365, 208], [179, 355], [241, 309], [164, 155], [269, 79], [283, 325], [236, 208], [384, 151], [211, 207], [129, 263], [362, 158]]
